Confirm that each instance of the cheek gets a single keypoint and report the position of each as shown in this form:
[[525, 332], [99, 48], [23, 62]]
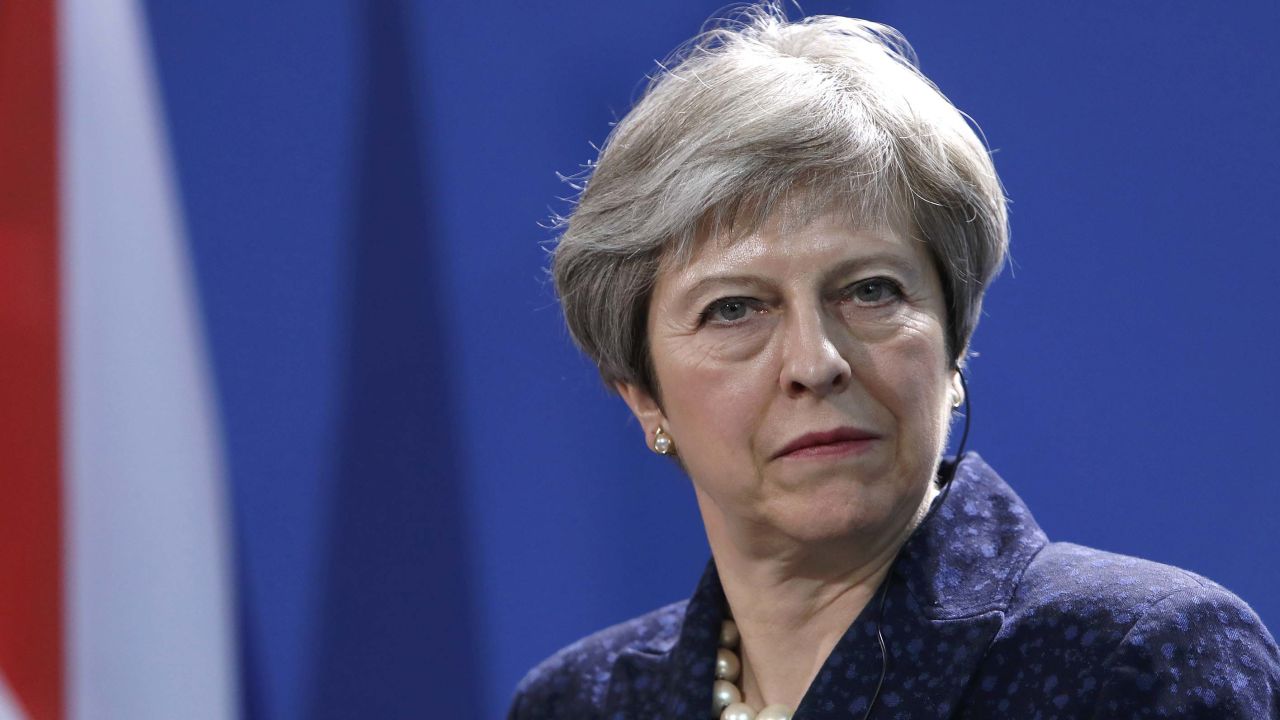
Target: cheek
[[713, 395], [910, 370]]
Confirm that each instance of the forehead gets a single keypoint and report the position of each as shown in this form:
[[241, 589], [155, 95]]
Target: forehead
[[787, 240]]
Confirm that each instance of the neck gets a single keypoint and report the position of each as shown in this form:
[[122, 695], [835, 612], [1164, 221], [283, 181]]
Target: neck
[[793, 600]]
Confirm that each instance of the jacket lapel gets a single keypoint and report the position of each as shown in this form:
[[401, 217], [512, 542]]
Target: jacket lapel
[[671, 678]]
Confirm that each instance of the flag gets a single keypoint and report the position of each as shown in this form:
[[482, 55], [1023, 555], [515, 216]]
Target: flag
[[115, 565]]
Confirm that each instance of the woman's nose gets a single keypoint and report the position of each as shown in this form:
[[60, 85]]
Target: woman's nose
[[812, 362]]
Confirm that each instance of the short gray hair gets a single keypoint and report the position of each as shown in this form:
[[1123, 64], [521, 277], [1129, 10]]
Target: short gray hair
[[756, 111]]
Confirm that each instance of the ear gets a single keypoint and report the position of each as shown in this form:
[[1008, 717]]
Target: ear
[[644, 407], [957, 389]]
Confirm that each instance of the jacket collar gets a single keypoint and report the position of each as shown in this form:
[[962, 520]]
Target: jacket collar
[[942, 604], [966, 557]]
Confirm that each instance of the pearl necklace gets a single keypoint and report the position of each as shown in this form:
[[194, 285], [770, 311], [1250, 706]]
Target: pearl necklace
[[726, 698]]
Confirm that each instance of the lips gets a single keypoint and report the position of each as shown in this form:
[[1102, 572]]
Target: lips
[[844, 439]]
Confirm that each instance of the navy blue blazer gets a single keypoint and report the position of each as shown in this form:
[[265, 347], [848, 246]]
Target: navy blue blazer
[[983, 618]]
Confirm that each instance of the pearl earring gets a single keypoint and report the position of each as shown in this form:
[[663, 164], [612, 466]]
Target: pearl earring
[[662, 442]]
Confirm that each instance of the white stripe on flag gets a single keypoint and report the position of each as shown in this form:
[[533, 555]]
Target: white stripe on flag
[[9, 709], [150, 623]]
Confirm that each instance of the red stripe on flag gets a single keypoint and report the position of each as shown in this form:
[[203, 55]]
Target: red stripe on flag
[[30, 476]]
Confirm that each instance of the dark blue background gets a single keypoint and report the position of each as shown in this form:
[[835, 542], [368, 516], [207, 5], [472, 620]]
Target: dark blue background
[[432, 490]]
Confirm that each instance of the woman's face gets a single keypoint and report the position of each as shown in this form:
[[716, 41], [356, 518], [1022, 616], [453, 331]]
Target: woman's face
[[804, 378]]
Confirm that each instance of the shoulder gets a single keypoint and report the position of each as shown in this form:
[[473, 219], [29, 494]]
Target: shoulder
[[1134, 633], [573, 682], [1076, 580]]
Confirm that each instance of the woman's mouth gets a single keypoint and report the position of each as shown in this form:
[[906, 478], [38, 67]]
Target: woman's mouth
[[830, 443]]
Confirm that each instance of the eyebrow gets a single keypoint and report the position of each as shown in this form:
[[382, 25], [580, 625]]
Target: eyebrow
[[844, 267]]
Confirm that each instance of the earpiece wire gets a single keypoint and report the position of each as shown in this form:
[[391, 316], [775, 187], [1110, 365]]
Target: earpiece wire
[[884, 590]]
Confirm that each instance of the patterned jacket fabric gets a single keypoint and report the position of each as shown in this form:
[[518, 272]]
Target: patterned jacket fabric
[[983, 617]]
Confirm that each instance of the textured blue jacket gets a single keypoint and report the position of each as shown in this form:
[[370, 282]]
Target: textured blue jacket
[[983, 618]]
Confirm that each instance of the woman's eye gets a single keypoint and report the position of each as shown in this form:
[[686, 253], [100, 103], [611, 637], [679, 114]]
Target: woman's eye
[[874, 291], [727, 310]]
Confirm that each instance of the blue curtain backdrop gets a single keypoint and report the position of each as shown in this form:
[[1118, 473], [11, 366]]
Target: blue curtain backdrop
[[432, 491]]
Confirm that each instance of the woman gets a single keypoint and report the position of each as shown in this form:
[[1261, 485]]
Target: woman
[[778, 263]]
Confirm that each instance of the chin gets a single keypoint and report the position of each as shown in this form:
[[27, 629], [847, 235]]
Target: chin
[[823, 517]]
